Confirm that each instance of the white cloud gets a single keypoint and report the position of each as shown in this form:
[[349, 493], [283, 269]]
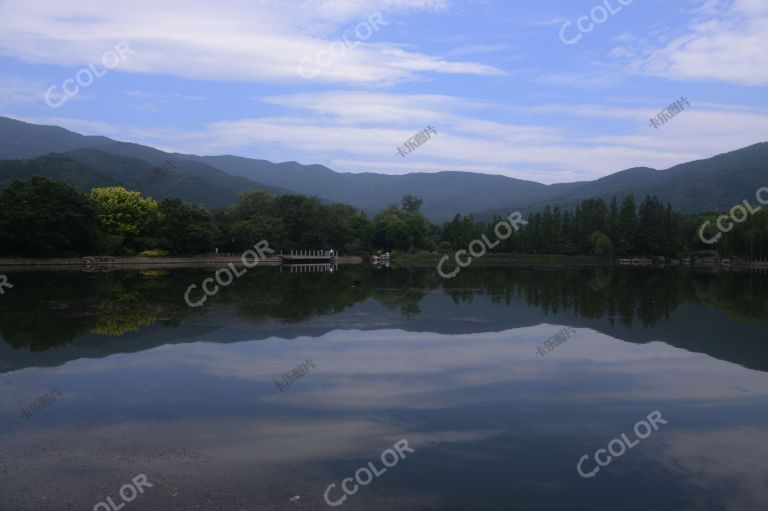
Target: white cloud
[[259, 41], [14, 91], [728, 458], [726, 42], [361, 131]]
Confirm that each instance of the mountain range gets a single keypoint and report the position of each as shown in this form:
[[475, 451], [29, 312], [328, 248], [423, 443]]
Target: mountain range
[[27, 149]]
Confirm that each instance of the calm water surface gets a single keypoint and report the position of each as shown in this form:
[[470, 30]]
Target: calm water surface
[[139, 383]]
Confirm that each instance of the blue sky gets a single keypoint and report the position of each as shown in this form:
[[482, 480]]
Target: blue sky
[[509, 90]]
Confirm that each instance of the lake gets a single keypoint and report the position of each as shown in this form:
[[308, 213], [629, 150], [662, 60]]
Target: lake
[[513, 388]]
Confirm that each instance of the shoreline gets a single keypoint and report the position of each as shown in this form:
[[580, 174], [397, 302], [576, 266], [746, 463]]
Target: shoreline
[[140, 263], [698, 262], [11, 264]]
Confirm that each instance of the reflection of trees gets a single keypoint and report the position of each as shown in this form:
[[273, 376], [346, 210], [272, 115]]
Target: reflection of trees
[[39, 312], [122, 314], [406, 299], [264, 293], [646, 295], [53, 308], [403, 288], [20, 329], [742, 296]]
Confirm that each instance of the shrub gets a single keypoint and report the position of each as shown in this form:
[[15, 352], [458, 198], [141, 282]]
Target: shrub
[[154, 253]]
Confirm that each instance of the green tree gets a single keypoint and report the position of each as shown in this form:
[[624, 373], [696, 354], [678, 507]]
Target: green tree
[[249, 232], [362, 234], [627, 230], [601, 244], [41, 217], [257, 203], [186, 229], [651, 229], [124, 213], [613, 221], [411, 203], [400, 229]]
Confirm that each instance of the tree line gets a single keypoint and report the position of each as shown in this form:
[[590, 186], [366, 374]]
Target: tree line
[[616, 229], [43, 218], [122, 302]]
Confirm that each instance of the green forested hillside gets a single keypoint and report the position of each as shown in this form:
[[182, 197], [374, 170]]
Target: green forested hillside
[[216, 181], [89, 168], [720, 182]]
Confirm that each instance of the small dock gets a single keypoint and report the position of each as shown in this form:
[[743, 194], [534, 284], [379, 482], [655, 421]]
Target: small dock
[[308, 256], [311, 268]]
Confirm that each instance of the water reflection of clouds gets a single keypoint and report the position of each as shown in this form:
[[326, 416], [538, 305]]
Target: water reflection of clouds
[[728, 464], [198, 456], [391, 368], [346, 408], [392, 365]]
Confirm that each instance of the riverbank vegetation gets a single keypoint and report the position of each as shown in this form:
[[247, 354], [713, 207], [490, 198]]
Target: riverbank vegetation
[[44, 218]]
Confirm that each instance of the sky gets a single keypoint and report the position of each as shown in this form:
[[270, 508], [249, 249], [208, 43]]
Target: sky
[[544, 90]]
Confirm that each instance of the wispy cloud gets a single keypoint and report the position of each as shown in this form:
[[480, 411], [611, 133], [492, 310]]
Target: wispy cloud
[[360, 131], [258, 41], [725, 42]]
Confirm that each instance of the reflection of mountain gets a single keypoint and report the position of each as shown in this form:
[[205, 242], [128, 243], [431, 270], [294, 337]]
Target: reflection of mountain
[[95, 315]]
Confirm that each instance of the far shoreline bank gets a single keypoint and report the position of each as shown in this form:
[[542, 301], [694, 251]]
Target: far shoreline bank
[[103, 263], [496, 259], [141, 263]]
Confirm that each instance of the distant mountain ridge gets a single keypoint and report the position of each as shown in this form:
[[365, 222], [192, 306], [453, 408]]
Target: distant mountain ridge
[[444, 193], [89, 161], [216, 181], [720, 182]]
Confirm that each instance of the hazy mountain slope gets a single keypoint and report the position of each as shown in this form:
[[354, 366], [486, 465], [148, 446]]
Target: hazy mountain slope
[[57, 167], [720, 182], [214, 181], [109, 162], [444, 193], [20, 140], [89, 168], [188, 181], [703, 185]]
